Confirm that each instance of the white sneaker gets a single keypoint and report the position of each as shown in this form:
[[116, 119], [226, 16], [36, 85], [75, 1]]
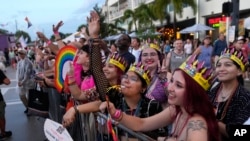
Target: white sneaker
[[246, 79]]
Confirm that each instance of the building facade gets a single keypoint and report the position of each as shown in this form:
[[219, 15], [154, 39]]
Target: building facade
[[209, 12]]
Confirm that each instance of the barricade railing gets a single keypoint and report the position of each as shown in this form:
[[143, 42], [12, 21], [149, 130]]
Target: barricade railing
[[140, 136]]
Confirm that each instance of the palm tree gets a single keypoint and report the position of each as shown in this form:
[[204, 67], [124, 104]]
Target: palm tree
[[145, 17], [160, 9], [80, 27], [114, 28], [141, 18], [131, 17], [25, 35], [62, 35], [3, 31]]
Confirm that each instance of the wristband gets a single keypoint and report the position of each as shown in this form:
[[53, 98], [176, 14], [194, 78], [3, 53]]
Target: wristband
[[56, 33], [117, 115], [76, 110], [48, 42], [94, 40]]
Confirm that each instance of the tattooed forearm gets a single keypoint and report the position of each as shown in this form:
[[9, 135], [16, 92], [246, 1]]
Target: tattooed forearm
[[196, 125]]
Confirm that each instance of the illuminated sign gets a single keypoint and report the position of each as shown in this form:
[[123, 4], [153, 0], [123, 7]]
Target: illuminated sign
[[215, 22], [216, 25]]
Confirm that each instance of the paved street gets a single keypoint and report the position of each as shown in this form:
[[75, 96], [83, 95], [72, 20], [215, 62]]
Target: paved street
[[23, 128]]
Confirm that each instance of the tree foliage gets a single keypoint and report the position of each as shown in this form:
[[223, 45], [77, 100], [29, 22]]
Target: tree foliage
[[80, 27], [62, 35], [160, 7], [3, 31], [131, 18], [25, 35], [114, 28], [141, 18]]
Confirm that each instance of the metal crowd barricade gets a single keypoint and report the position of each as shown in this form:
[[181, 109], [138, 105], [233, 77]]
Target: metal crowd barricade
[[140, 136]]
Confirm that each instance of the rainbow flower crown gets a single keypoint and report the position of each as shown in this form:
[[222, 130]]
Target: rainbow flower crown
[[194, 68], [155, 46], [236, 56], [118, 61], [142, 71]]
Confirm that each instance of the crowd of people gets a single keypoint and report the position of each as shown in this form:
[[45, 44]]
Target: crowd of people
[[181, 91]]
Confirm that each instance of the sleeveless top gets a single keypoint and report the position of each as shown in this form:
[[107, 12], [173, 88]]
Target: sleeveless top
[[176, 60], [206, 55]]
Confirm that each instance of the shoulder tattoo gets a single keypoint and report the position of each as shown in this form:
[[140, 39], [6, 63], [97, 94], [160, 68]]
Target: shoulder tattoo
[[196, 125]]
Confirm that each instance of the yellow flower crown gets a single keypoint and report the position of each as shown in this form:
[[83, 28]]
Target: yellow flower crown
[[155, 46], [236, 56], [194, 68], [142, 71], [118, 61]]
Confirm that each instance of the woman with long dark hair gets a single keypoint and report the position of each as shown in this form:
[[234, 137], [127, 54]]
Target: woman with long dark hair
[[152, 58], [229, 97], [190, 112]]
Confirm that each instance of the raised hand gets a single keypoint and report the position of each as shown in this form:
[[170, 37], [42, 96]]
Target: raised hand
[[93, 24], [41, 36], [56, 28], [71, 69]]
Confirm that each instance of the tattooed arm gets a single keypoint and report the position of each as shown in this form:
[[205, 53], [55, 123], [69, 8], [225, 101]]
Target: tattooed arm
[[197, 129]]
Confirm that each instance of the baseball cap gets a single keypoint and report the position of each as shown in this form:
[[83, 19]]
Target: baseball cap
[[22, 51], [241, 38]]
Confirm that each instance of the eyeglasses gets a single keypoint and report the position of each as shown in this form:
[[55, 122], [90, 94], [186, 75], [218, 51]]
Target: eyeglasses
[[130, 78], [152, 54]]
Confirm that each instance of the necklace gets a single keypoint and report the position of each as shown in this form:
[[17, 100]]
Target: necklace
[[221, 110], [223, 95], [179, 127]]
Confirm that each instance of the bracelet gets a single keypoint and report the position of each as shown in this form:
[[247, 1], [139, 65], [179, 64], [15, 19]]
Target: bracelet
[[117, 115], [56, 33], [120, 118], [71, 76], [58, 39], [76, 110], [94, 40], [48, 42]]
